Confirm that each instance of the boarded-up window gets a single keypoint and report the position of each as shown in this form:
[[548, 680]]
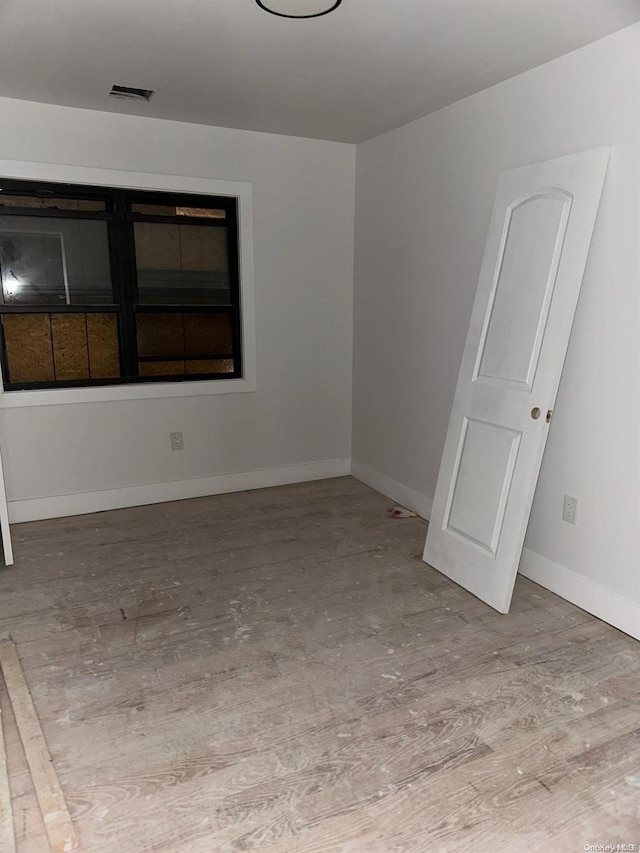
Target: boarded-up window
[[103, 285]]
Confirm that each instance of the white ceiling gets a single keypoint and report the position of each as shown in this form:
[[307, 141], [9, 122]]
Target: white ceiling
[[367, 67]]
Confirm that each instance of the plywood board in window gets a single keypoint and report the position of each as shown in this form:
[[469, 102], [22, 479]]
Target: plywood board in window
[[53, 203], [157, 246], [102, 340], [154, 209], [203, 248], [201, 212], [70, 352], [161, 368], [21, 201], [28, 343], [60, 203], [160, 334], [88, 204], [207, 334], [210, 365]]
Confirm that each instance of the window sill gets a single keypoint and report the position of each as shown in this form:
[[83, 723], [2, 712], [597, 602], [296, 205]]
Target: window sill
[[116, 393]]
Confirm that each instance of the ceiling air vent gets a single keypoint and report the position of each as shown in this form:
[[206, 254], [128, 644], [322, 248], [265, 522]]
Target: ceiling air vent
[[131, 93]]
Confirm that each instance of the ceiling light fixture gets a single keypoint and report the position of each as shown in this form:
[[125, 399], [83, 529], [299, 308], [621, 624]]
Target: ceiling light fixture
[[299, 8]]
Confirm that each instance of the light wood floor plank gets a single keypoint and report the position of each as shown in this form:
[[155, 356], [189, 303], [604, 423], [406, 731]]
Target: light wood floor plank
[[57, 821], [7, 835]]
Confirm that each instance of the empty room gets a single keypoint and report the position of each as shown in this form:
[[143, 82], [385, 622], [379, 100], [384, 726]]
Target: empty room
[[319, 426]]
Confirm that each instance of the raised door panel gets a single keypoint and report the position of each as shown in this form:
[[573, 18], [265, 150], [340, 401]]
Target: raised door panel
[[481, 482], [525, 277]]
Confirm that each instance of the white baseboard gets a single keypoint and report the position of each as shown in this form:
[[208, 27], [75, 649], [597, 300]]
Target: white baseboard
[[587, 594], [86, 502], [392, 489]]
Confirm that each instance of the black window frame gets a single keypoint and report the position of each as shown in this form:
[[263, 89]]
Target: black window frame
[[120, 221]]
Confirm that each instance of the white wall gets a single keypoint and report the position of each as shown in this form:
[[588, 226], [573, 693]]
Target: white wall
[[423, 199], [303, 215]]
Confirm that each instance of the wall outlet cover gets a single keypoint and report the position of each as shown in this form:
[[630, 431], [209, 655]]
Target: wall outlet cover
[[177, 441], [570, 509]]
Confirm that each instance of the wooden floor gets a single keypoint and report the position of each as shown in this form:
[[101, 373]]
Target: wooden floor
[[278, 671]]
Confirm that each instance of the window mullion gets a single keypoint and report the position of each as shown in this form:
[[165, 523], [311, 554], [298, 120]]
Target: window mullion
[[125, 285]]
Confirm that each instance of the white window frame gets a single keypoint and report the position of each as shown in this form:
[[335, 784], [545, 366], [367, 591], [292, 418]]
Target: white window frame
[[88, 175]]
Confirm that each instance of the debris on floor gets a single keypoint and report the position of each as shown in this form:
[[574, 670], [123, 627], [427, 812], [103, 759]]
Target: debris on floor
[[401, 512]]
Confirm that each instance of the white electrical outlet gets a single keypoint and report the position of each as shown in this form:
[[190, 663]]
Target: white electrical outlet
[[570, 509], [177, 441]]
